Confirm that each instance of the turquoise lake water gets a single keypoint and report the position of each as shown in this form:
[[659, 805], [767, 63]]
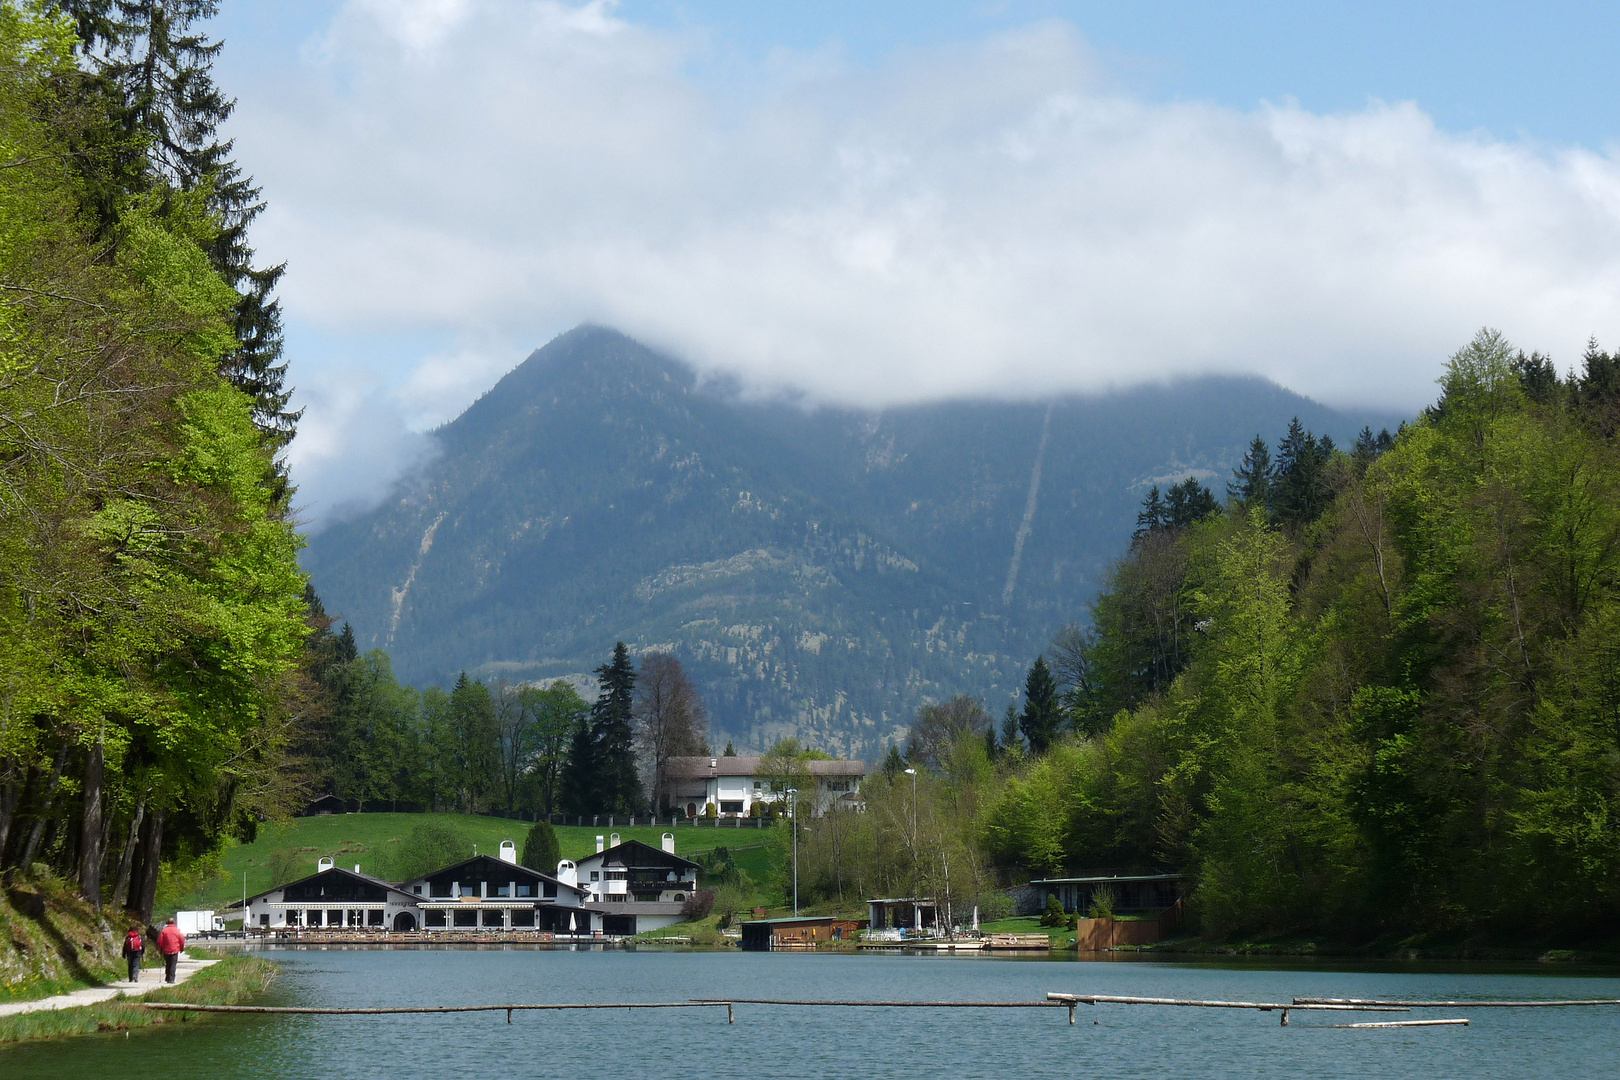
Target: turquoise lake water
[[1109, 1041]]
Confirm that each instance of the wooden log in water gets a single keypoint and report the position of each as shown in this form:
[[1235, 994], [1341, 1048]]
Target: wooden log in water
[[315, 1010], [1263, 1006], [1398, 1024], [1378, 1003]]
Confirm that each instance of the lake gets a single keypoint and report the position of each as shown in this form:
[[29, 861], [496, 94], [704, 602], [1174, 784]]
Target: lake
[[1124, 1041]]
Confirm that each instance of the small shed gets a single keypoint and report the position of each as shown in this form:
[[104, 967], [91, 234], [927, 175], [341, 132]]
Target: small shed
[[803, 932], [1134, 893], [326, 804]]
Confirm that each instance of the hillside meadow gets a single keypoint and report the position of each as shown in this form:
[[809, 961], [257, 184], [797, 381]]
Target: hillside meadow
[[286, 851]]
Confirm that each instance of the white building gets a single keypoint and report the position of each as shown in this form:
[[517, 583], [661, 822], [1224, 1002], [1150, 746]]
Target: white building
[[486, 893], [637, 887], [732, 785], [333, 897]]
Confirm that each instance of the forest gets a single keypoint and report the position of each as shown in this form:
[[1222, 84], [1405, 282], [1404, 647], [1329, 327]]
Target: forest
[[1371, 692], [151, 606]]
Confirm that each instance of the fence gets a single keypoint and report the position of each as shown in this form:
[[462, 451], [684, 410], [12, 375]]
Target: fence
[[1096, 935]]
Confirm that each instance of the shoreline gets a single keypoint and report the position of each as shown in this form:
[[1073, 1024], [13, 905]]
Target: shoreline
[[229, 981]]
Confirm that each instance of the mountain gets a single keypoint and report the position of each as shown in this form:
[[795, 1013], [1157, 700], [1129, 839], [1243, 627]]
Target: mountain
[[820, 572]]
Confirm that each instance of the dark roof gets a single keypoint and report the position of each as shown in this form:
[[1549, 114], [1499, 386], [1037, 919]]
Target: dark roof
[[367, 878], [702, 768], [633, 849], [637, 907], [1101, 878], [503, 866], [790, 919]]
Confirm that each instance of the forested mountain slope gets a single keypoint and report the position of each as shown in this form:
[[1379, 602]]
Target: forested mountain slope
[[821, 573]]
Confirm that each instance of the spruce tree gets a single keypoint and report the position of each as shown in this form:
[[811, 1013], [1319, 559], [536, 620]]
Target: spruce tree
[[618, 781], [158, 66], [1188, 502], [1251, 480], [1301, 490], [1011, 740], [731, 751], [1041, 716], [579, 779], [893, 763], [1152, 517]]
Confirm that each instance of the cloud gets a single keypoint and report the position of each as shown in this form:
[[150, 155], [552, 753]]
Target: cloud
[[353, 445], [992, 218]]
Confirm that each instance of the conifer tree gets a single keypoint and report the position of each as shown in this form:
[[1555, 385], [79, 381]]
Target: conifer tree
[[1188, 502], [618, 782], [1251, 482], [731, 751], [893, 763], [1152, 517], [579, 780], [155, 61], [1041, 715]]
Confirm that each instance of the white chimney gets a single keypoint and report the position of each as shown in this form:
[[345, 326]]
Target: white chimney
[[713, 763], [508, 852], [599, 843], [567, 873], [323, 864], [613, 841], [669, 842], [357, 868]]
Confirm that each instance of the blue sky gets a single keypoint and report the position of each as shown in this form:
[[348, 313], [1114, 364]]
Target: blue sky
[[875, 203], [1544, 71]]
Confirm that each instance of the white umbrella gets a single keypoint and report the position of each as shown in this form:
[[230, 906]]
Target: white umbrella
[[572, 926]]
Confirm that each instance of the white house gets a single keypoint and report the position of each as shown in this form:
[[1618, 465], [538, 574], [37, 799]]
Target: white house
[[637, 887], [732, 785], [496, 893], [333, 897]]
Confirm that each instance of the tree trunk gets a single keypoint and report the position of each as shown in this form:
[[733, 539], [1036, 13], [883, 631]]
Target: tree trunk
[[90, 829], [150, 859], [127, 858], [8, 803], [37, 833]]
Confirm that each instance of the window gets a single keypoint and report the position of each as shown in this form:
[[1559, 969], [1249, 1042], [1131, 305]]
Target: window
[[615, 875], [549, 888], [433, 919], [731, 806], [417, 889], [264, 920], [523, 917], [595, 876], [502, 890], [756, 785], [525, 889], [374, 917], [465, 918]]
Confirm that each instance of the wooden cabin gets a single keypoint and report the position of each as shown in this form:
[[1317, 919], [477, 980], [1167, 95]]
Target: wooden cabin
[[800, 932]]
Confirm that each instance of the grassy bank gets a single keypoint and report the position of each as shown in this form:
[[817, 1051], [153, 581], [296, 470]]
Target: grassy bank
[[230, 982], [51, 941], [285, 851]]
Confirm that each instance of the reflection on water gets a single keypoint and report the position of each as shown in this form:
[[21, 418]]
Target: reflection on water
[[1124, 1041]]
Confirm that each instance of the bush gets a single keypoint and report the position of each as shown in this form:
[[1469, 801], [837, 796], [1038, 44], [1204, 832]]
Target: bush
[[540, 850], [995, 905], [1054, 914], [698, 905], [1102, 902]]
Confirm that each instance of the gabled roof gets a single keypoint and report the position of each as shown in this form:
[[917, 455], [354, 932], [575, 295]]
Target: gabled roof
[[704, 768], [501, 865], [636, 853], [366, 878]]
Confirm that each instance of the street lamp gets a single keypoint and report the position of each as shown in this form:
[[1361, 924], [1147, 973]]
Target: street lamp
[[793, 821]]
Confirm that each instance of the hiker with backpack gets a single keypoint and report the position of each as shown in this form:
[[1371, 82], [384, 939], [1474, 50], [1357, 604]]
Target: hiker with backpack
[[134, 949]]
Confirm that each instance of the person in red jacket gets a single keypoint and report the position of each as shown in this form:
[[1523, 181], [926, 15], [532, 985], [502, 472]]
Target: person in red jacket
[[134, 948], [171, 943]]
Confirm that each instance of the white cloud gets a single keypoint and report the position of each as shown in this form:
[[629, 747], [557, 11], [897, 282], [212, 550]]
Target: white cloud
[[992, 218]]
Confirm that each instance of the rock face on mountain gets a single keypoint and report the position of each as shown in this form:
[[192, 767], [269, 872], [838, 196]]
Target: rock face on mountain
[[820, 573]]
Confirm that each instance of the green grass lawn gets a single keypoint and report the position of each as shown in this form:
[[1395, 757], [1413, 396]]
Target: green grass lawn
[[370, 840], [1061, 937]]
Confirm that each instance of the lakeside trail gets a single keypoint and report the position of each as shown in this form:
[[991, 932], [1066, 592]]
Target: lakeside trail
[[151, 979]]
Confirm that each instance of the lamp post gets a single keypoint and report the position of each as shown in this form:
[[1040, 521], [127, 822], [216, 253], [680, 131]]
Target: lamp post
[[793, 822]]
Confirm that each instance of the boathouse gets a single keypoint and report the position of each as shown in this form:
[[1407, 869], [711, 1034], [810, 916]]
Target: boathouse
[[903, 913], [800, 932], [333, 897], [1130, 893]]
